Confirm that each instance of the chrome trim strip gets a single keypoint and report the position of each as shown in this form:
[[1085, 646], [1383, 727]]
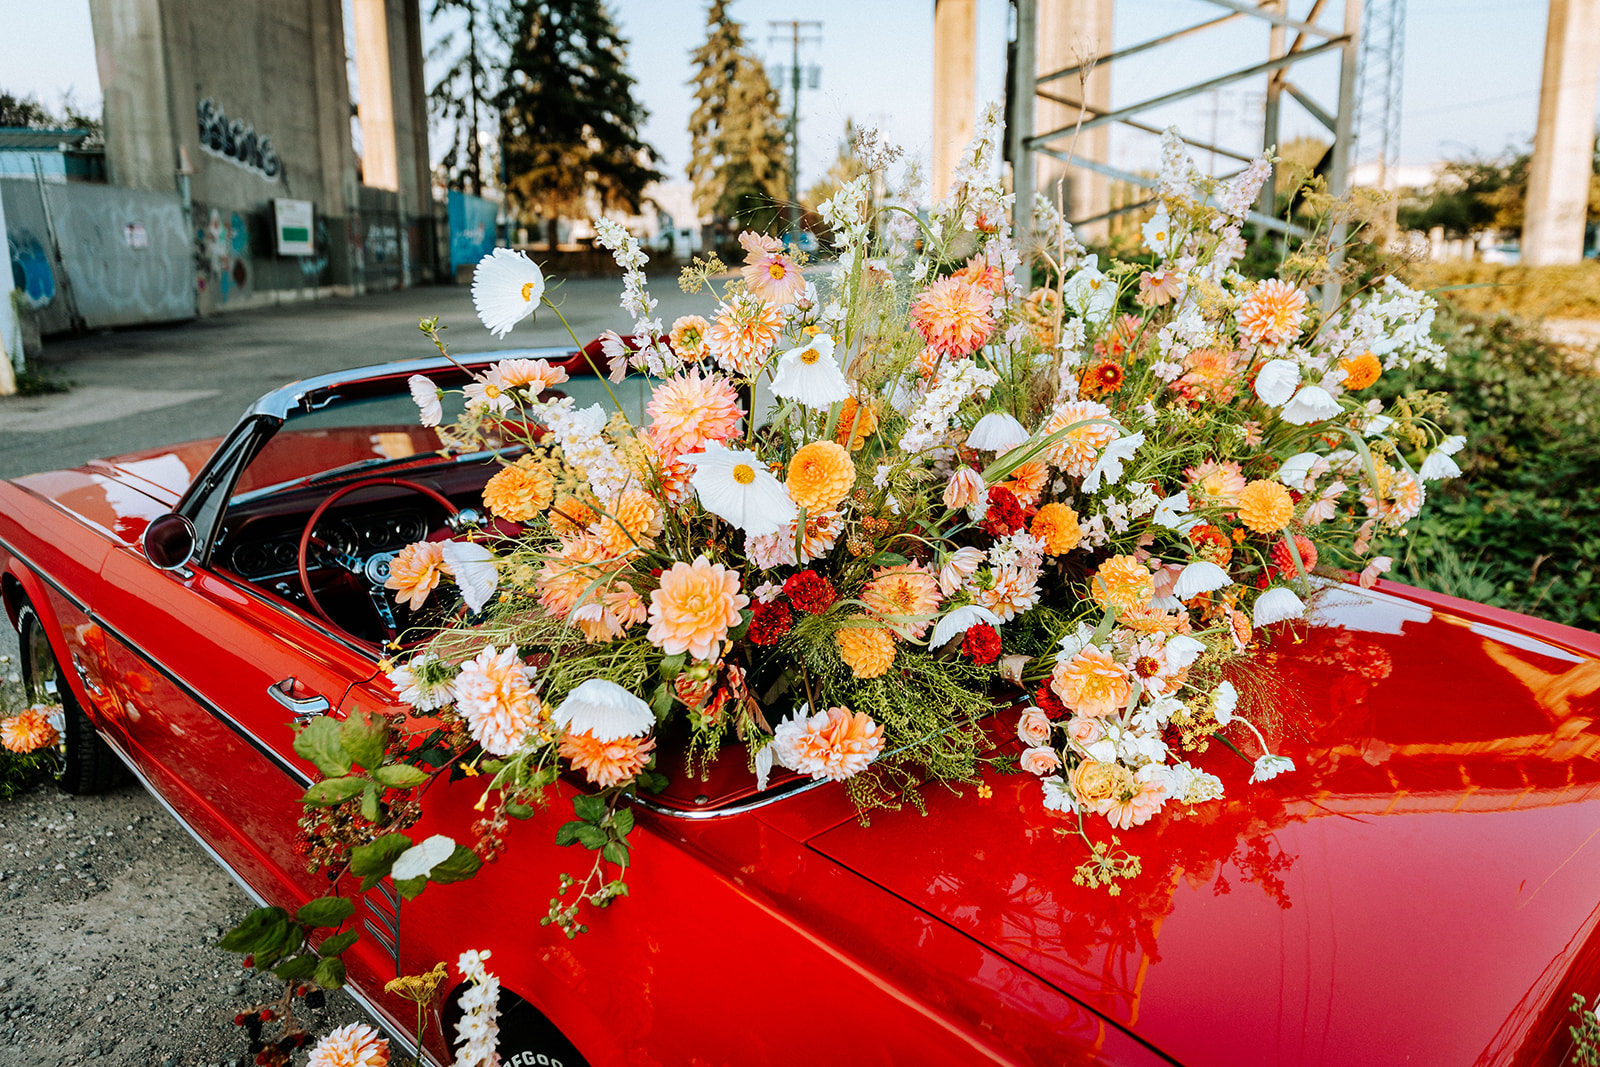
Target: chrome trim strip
[[772, 796]]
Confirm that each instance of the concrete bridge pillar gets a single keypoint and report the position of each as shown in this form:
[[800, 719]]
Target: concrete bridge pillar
[[1563, 146], [955, 73]]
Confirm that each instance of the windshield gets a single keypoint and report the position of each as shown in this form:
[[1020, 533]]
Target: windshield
[[379, 429]]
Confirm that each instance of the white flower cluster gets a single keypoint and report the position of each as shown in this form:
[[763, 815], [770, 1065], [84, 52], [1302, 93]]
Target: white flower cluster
[[1054, 233], [846, 212], [930, 421], [478, 1031], [654, 354], [578, 433], [1395, 324]]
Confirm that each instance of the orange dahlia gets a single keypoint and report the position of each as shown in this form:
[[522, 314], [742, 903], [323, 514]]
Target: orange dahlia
[[630, 524], [744, 334], [1076, 451], [1360, 371], [1057, 526], [820, 476], [857, 422], [955, 317], [1272, 313], [519, 492], [903, 592], [695, 607], [537, 374], [1092, 684], [1122, 583], [835, 744], [27, 731], [607, 763], [1027, 481], [1265, 506], [978, 271], [565, 575], [867, 650], [416, 571], [688, 337], [688, 412], [570, 515], [355, 1045]]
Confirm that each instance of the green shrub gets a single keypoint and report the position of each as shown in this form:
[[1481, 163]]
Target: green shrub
[[1521, 528]]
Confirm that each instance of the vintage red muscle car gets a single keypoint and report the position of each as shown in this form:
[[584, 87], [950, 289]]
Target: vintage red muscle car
[[1424, 888]]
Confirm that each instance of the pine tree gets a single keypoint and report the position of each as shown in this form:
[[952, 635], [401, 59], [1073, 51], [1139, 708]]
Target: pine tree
[[569, 124], [463, 97], [738, 160]]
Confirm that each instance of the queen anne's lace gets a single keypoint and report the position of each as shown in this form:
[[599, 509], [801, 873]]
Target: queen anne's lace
[[478, 1032], [930, 420]]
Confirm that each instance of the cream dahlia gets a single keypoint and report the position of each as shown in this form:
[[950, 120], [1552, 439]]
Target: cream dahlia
[[835, 744], [494, 695], [695, 607]]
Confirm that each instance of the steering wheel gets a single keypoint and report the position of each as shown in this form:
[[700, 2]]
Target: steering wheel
[[374, 568]]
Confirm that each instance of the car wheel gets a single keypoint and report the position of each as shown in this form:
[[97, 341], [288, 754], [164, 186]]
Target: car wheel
[[82, 762], [527, 1036]]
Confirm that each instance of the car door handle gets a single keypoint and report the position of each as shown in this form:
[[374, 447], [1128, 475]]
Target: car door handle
[[304, 709]]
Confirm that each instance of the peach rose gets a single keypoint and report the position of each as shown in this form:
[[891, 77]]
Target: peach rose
[[1095, 783], [1092, 684], [1034, 727], [1040, 760]]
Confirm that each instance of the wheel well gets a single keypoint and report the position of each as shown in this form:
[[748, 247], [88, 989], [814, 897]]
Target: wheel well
[[527, 1036], [12, 596]]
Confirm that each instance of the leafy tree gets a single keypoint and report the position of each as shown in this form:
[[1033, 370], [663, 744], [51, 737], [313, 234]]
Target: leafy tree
[[1472, 195], [569, 123], [738, 161], [26, 112], [463, 97]]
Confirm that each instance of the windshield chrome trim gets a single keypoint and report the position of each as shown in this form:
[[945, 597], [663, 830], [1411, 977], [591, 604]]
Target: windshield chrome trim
[[289, 398]]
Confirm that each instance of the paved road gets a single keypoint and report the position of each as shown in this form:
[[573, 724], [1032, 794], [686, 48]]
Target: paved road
[[163, 384]]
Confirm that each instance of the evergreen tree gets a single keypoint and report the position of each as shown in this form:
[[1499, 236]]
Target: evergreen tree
[[463, 97], [738, 160], [569, 124]]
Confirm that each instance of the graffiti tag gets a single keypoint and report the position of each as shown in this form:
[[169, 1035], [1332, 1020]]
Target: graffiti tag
[[237, 141]]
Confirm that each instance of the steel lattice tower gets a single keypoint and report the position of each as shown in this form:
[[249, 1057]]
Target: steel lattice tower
[[1383, 53]]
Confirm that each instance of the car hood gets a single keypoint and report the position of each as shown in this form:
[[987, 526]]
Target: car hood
[[1422, 888], [121, 495]]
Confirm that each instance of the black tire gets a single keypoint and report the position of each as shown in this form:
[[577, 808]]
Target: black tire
[[82, 762]]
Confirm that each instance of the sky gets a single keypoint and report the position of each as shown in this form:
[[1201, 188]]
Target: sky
[[1471, 82]]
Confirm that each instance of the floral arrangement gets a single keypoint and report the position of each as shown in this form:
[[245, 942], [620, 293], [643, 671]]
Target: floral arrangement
[[31, 729], [871, 501]]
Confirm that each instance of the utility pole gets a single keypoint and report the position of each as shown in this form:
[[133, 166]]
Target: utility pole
[[801, 31]]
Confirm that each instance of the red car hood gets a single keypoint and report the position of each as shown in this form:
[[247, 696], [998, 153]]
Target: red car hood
[[1422, 888]]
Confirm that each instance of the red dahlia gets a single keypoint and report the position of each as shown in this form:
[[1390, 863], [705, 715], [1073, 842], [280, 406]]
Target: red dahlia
[[981, 643], [1004, 516], [769, 622], [809, 591], [1048, 702]]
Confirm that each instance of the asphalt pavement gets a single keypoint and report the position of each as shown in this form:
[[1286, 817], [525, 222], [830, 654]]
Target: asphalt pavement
[[156, 385]]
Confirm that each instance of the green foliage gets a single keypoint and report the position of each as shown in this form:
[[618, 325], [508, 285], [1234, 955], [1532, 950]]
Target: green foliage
[[738, 161], [1585, 1033], [462, 100], [1521, 528], [569, 118], [274, 941]]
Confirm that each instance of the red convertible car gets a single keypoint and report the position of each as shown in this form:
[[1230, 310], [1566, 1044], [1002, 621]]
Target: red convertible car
[[1425, 887]]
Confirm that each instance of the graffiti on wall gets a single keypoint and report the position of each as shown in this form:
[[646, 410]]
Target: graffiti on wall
[[222, 255], [237, 141], [115, 281], [313, 266], [31, 272]]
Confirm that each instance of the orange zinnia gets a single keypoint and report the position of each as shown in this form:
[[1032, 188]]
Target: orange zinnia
[[1122, 583], [1265, 506], [1057, 526], [820, 476], [519, 492], [1360, 371]]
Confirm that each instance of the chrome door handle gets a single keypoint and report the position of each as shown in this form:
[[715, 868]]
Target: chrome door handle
[[304, 710], [83, 676]]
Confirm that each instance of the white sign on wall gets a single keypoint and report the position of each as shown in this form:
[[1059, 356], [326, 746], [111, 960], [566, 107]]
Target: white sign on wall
[[292, 224]]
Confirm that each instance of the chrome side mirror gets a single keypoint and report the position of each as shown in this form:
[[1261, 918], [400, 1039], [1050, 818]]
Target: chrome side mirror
[[169, 542]]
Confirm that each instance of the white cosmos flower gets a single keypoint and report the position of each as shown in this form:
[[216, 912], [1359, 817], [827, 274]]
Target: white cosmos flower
[[1311, 404], [488, 392], [1438, 465], [958, 622], [1158, 235], [997, 432], [1224, 699], [426, 394], [1451, 445], [1276, 383], [473, 567], [1295, 468], [810, 376], [1173, 513], [1057, 796], [1379, 424], [1109, 465], [1269, 767], [1182, 650], [764, 766], [418, 860], [1276, 605], [1201, 576], [506, 288], [736, 486], [605, 711]]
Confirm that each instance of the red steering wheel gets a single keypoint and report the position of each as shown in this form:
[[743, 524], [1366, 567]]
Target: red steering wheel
[[376, 592]]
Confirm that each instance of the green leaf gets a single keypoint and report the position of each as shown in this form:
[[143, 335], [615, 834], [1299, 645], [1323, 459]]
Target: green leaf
[[519, 811], [653, 781], [325, 911], [460, 865], [591, 837], [661, 701], [373, 861], [319, 743], [369, 803], [589, 808], [672, 666], [568, 834], [622, 822], [296, 967], [363, 737], [616, 852], [333, 792], [254, 931], [338, 943], [400, 775], [330, 973], [411, 888]]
